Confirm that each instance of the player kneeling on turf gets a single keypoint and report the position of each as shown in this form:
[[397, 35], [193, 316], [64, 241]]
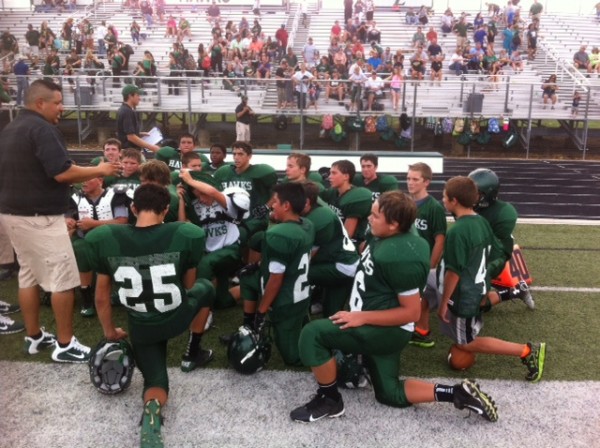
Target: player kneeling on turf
[[384, 305]]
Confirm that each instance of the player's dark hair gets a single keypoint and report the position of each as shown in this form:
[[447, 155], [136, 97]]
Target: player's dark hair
[[131, 153], [422, 168], [189, 156], [302, 160], [370, 157], [398, 207], [187, 135], [243, 146], [292, 192], [155, 171], [345, 167], [41, 88], [151, 198], [311, 190], [220, 147], [463, 189], [112, 141]]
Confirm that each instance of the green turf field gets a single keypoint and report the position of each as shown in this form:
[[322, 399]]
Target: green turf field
[[557, 256]]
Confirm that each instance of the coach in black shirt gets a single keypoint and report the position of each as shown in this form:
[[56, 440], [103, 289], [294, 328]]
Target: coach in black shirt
[[128, 126]]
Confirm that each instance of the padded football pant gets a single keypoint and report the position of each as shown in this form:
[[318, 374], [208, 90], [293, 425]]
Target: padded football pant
[[336, 286], [79, 248], [219, 265], [149, 341], [380, 347]]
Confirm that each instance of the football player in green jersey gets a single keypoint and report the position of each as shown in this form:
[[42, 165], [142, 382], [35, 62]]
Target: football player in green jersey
[[431, 225], [469, 249], [217, 154], [502, 217], [257, 180], [384, 304], [352, 204], [153, 268], [189, 161], [369, 178], [280, 288], [111, 153], [157, 172], [172, 156], [334, 257], [297, 169], [129, 179]]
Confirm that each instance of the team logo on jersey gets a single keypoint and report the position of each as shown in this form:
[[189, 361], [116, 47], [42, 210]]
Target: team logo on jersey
[[245, 184], [421, 224], [175, 164], [366, 261]]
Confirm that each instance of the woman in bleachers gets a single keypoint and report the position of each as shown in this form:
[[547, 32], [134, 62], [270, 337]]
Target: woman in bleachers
[[216, 56], [171, 30], [335, 88], [595, 60], [550, 87], [395, 80], [134, 29], [91, 65], [47, 37], [478, 21], [174, 72], [418, 38], [447, 21], [256, 28], [531, 41]]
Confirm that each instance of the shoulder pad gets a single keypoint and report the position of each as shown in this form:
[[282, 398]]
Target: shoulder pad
[[120, 189]]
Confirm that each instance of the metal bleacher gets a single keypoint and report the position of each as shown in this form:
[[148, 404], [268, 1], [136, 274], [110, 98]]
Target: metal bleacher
[[516, 96]]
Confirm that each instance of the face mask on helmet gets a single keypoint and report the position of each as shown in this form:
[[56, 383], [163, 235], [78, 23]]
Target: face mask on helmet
[[111, 366], [241, 201], [350, 371], [248, 352], [488, 185]]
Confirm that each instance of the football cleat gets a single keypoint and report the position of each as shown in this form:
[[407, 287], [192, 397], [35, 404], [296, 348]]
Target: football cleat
[[33, 346], [204, 357], [150, 436], [524, 293], [9, 326], [418, 340], [535, 361], [111, 366], [74, 352], [467, 395], [317, 408]]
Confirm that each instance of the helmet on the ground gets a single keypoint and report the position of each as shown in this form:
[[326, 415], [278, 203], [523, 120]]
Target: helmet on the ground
[[248, 352], [350, 371], [111, 366], [488, 185], [241, 201]]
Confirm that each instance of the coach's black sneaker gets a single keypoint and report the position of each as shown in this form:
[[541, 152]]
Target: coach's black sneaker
[[8, 308], [535, 361], [467, 395], [317, 408], [189, 363]]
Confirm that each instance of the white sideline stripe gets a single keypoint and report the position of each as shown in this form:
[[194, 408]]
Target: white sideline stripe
[[564, 289], [551, 221]]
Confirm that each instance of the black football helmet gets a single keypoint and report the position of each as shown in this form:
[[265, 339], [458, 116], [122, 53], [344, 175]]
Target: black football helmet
[[351, 373], [248, 352], [488, 185], [111, 366]]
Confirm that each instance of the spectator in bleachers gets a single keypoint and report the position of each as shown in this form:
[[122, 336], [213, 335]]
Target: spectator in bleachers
[[476, 55], [147, 13], [395, 80], [282, 38], [185, 29], [134, 29], [374, 34], [508, 35], [87, 30], [340, 60], [256, 28], [91, 65], [431, 34], [357, 48], [32, 36], [160, 10], [47, 37], [282, 75], [387, 56], [516, 41], [460, 29], [531, 41], [418, 37], [243, 25], [52, 66], [335, 88], [516, 61], [314, 91], [359, 8], [550, 87], [447, 22], [334, 47], [174, 73], [376, 47], [310, 53], [595, 60], [263, 71], [21, 71], [480, 35], [493, 9], [213, 13], [216, 56], [581, 60], [374, 89], [336, 31], [374, 60], [349, 30], [436, 69], [357, 79], [411, 18], [369, 10], [535, 12], [457, 62], [99, 34], [301, 80], [423, 15], [418, 64], [111, 40], [323, 68], [492, 31], [361, 32], [149, 64], [434, 50], [66, 33], [117, 60]]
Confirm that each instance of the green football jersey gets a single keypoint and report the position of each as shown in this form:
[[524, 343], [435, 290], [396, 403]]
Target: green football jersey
[[388, 267], [128, 183], [381, 184], [470, 245], [257, 180], [288, 245], [502, 218], [147, 264], [172, 157], [431, 220], [355, 203], [331, 238]]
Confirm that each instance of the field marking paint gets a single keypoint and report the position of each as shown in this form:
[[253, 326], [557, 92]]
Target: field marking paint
[[564, 289]]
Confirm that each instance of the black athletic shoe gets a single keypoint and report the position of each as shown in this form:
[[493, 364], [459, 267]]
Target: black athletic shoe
[[467, 395], [204, 357], [319, 407]]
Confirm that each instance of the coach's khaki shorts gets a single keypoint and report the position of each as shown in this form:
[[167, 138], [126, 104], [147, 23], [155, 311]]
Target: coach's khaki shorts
[[242, 132], [6, 250], [43, 250]]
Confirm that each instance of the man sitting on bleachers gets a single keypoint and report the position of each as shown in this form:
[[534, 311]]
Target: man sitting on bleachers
[[581, 60]]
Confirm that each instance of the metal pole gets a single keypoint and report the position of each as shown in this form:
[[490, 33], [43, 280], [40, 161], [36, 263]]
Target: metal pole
[[586, 123], [529, 119], [470, 104], [412, 124], [78, 101], [506, 95], [189, 95], [301, 101]]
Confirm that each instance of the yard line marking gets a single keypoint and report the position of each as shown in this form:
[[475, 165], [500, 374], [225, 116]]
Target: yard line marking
[[564, 289]]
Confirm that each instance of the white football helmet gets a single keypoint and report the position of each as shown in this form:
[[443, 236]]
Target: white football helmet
[[240, 199]]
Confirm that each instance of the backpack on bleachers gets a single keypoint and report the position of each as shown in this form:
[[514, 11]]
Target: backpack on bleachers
[[327, 122], [447, 125], [459, 126], [475, 126], [382, 124], [430, 123], [370, 125], [493, 126], [337, 134]]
